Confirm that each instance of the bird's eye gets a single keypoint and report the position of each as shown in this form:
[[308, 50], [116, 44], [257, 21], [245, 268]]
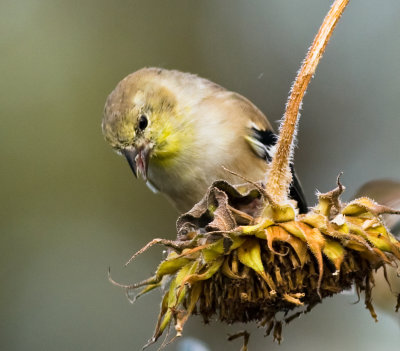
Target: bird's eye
[[143, 122]]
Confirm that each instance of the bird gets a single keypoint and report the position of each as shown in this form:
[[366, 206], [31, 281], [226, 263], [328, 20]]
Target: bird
[[178, 131]]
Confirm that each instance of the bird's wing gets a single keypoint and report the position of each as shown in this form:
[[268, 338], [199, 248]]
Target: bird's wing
[[262, 141], [258, 134], [251, 112]]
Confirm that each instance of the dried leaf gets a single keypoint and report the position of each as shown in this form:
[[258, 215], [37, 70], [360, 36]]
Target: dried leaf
[[335, 253], [171, 264], [315, 220], [294, 229], [329, 203], [254, 229], [195, 292], [364, 205], [210, 270], [147, 289], [221, 247], [280, 213], [316, 242], [249, 253]]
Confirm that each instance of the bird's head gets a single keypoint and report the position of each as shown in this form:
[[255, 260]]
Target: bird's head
[[143, 122]]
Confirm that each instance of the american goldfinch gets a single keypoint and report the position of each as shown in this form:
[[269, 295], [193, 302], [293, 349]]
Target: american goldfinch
[[177, 130]]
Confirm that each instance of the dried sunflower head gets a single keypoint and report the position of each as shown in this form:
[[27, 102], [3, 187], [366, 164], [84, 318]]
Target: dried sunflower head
[[243, 258]]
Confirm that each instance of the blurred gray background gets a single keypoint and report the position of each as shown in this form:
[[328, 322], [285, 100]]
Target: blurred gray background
[[70, 207]]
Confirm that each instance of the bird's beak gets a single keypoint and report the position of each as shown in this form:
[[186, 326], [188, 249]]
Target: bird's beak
[[138, 159]]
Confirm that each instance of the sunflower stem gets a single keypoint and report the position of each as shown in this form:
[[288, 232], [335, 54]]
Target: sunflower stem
[[279, 174]]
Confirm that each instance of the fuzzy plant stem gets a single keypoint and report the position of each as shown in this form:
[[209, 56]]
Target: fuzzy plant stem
[[279, 174]]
